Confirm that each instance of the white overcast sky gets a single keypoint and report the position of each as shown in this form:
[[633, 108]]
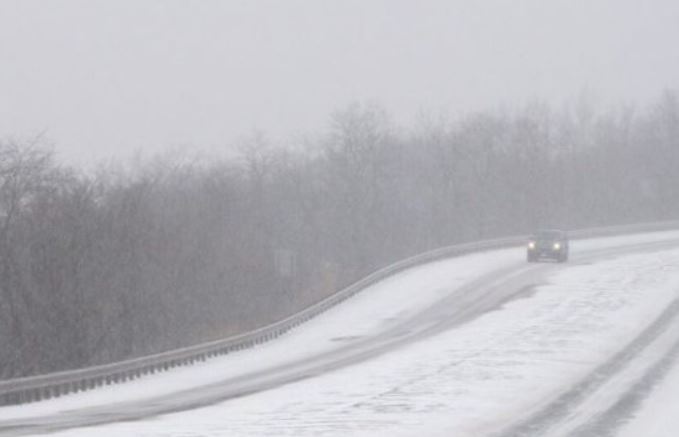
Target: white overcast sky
[[106, 78]]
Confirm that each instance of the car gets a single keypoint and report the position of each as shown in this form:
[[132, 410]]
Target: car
[[548, 244]]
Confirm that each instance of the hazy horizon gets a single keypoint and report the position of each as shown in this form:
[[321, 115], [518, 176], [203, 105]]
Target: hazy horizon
[[105, 79]]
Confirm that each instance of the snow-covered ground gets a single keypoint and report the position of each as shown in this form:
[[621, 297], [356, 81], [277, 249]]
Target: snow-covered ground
[[471, 380], [656, 415]]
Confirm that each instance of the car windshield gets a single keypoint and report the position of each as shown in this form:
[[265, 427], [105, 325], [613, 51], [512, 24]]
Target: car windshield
[[548, 235]]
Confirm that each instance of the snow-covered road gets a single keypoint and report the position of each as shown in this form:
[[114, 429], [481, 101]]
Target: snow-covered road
[[446, 364]]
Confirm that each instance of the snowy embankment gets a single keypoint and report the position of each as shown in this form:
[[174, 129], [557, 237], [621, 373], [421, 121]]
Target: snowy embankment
[[464, 381]]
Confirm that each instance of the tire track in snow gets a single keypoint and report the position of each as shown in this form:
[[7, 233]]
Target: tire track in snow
[[540, 423], [608, 423]]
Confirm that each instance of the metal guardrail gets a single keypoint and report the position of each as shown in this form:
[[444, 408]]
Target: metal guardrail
[[35, 388]]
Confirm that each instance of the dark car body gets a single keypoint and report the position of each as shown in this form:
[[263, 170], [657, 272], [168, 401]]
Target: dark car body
[[548, 244]]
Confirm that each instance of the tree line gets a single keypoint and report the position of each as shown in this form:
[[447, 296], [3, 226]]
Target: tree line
[[102, 266]]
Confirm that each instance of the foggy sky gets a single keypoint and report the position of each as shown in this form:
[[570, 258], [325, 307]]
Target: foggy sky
[[105, 78]]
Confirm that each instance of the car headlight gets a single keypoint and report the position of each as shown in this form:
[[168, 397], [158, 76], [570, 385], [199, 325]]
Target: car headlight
[[557, 246], [531, 245]]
